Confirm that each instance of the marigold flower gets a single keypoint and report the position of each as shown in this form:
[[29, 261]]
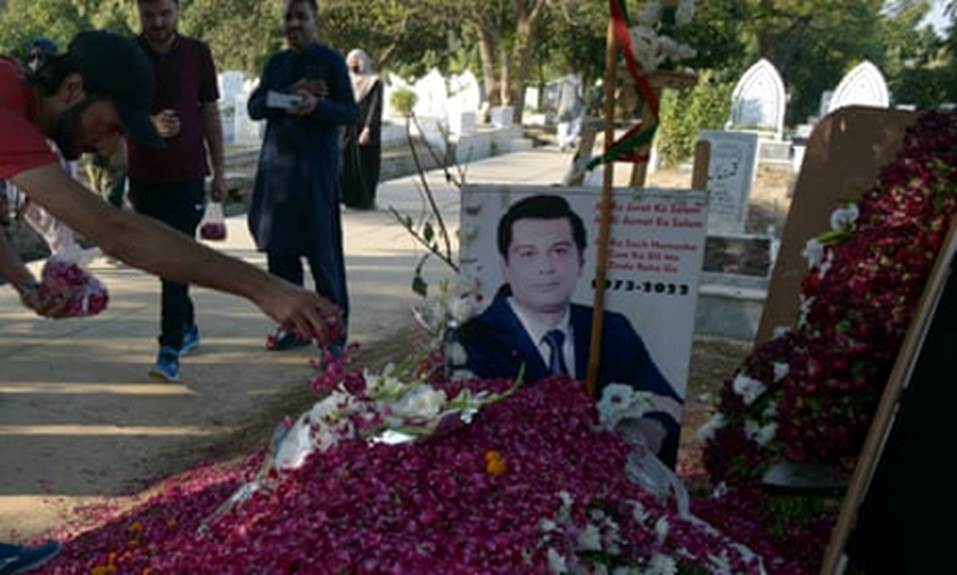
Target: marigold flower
[[494, 463]]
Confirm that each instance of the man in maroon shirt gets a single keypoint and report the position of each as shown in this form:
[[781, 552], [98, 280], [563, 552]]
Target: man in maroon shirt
[[168, 183]]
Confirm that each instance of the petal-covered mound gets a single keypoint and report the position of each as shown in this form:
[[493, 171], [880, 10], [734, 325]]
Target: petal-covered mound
[[810, 394], [529, 487]]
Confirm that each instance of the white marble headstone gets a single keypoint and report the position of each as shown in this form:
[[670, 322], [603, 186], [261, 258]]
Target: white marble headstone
[[465, 97], [230, 84], [862, 86], [759, 100], [465, 94], [502, 116], [463, 123], [731, 173], [433, 96], [825, 106], [247, 132]]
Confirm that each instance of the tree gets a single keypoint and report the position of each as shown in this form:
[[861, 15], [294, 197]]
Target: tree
[[915, 60], [407, 37], [505, 30], [813, 42], [24, 20], [241, 34]]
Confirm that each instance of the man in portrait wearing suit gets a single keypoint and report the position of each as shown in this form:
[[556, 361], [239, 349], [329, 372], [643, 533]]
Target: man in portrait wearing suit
[[532, 321]]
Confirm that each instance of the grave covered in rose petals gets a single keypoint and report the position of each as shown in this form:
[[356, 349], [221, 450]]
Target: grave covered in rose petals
[[532, 485]]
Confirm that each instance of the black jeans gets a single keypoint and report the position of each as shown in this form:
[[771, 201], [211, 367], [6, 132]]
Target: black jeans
[[179, 205], [328, 285]]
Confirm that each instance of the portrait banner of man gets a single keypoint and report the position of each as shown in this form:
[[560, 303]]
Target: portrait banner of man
[[532, 251]]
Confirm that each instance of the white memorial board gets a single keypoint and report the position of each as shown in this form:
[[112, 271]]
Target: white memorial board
[[731, 173], [655, 259]]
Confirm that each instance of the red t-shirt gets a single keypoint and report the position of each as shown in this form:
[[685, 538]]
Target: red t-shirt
[[22, 145]]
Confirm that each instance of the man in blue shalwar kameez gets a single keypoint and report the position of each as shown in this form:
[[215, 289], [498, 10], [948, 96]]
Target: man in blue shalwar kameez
[[295, 207]]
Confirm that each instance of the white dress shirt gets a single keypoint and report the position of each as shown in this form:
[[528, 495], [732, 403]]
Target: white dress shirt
[[536, 330]]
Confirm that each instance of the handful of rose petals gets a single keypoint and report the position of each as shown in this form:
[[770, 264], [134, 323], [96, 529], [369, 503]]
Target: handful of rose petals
[[63, 277]]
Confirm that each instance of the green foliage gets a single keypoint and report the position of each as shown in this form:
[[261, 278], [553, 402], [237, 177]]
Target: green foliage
[[705, 107], [408, 38], [812, 42], [572, 39], [789, 512], [916, 62], [403, 101], [242, 34], [23, 20]]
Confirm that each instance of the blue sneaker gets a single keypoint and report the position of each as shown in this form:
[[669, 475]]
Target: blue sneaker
[[166, 367], [190, 340], [15, 560]]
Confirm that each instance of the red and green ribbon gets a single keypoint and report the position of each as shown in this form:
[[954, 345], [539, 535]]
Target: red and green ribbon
[[625, 148]]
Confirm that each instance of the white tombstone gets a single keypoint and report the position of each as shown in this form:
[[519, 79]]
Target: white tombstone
[[433, 96], [862, 86], [230, 85], [465, 94], [463, 123], [465, 97], [247, 132], [501, 116], [731, 173], [532, 98], [825, 106], [759, 100]]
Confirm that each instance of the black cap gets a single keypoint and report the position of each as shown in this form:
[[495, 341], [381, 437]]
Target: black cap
[[116, 67]]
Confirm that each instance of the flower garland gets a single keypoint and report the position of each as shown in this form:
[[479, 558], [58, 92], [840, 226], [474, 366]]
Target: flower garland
[[809, 394]]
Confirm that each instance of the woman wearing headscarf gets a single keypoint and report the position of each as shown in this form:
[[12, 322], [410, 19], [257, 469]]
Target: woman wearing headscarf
[[362, 145]]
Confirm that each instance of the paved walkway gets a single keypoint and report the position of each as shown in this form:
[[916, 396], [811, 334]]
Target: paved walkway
[[80, 419]]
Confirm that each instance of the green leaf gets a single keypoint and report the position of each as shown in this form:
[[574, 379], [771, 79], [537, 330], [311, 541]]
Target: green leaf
[[420, 286], [428, 233]]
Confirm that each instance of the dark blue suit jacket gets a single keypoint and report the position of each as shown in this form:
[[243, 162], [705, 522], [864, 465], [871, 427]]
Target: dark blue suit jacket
[[498, 345]]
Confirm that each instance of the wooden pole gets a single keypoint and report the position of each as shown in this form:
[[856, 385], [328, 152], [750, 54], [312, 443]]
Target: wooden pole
[[601, 267], [702, 161]]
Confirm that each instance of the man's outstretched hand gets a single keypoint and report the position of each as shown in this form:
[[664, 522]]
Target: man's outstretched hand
[[46, 303], [302, 310]]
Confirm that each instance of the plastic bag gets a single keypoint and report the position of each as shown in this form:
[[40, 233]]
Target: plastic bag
[[213, 226], [57, 235], [64, 276]]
